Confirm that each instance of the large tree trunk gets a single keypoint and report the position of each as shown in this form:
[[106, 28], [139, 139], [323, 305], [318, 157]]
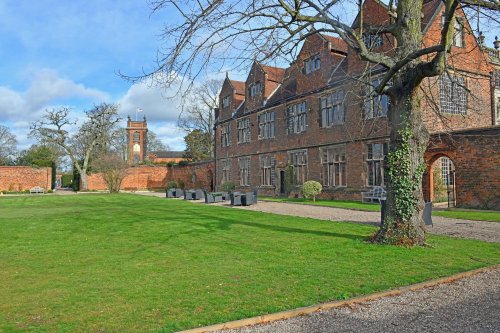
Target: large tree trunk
[[83, 181], [403, 223]]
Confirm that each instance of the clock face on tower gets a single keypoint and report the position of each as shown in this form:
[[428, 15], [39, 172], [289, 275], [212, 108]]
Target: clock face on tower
[[137, 148]]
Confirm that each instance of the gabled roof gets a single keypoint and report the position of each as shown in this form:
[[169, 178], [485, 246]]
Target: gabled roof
[[429, 10], [275, 74], [239, 86], [337, 44]]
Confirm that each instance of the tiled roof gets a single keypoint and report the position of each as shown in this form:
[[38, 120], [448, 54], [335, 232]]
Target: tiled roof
[[429, 7], [275, 74], [239, 86], [337, 43]]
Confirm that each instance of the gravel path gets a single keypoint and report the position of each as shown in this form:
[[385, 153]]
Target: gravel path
[[482, 230], [468, 305]]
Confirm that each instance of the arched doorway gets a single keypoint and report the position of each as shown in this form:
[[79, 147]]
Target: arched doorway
[[439, 183]]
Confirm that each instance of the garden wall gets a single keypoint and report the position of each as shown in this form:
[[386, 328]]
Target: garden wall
[[476, 156], [137, 178], [21, 178], [194, 175]]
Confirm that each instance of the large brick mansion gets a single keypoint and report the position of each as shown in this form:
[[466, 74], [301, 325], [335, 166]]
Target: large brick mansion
[[317, 120]]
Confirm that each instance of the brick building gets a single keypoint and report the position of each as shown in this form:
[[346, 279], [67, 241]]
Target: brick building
[[137, 140], [316, 120]]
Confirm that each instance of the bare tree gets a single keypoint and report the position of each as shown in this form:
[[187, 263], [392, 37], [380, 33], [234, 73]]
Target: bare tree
[[198, 113], [155, 144], [8, 144], [223, 33], [113, 169], [93, 135]]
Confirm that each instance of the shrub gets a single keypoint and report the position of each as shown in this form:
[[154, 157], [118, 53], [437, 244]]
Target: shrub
[[170, 164], [227, 186], [183, 163], [311, 189], [171, 184], [113, 170], [66, 180], [50, 191]]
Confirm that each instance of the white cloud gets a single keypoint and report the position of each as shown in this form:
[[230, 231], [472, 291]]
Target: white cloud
[[154, 101], [45, 89], [161, 109], [47, 86]]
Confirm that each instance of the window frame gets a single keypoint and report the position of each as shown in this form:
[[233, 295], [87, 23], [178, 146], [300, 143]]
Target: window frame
[[334, 166], [453, 94], [254, 89], [312, 64], [244, 132], [332, 109], [376, 164], [225, 135], [299, 162], [375, 105], [267, 125], [244, 164], [296, 117]]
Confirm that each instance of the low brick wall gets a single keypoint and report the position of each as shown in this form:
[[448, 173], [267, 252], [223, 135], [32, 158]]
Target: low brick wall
[[20, 178], [137, 178]]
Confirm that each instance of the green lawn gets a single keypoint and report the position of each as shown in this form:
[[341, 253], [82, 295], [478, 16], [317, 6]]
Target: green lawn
[[128, 263], [464, 214], [355, 205]]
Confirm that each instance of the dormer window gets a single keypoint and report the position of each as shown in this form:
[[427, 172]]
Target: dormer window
[[458, 34], [458, 31], [312, 64], [372, 40], [254, 89], [226, 101]]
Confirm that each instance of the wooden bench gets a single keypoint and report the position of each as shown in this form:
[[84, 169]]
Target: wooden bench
[[37, 190], [376, 193]]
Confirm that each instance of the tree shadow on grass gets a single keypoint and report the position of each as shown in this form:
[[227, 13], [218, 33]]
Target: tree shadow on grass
[[218, 223]]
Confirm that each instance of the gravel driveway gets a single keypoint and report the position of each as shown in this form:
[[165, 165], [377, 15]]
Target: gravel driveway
[[468, 305]]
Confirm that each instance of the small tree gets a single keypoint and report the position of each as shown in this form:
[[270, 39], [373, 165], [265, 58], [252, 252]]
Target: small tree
[[93, 135], [8, 144], [113, 170], [228, 186], [311, 189]]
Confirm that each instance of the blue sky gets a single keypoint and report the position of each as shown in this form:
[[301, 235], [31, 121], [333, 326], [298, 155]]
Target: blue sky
[[56, 52]]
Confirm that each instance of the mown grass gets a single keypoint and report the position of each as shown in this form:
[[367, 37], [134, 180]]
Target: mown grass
[[127, 263], [355, 205], [463, 214], [467, 214]]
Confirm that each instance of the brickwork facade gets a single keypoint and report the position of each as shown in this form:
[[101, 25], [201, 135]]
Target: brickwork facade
[[319, 122], [21, 178], [477, 179]]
